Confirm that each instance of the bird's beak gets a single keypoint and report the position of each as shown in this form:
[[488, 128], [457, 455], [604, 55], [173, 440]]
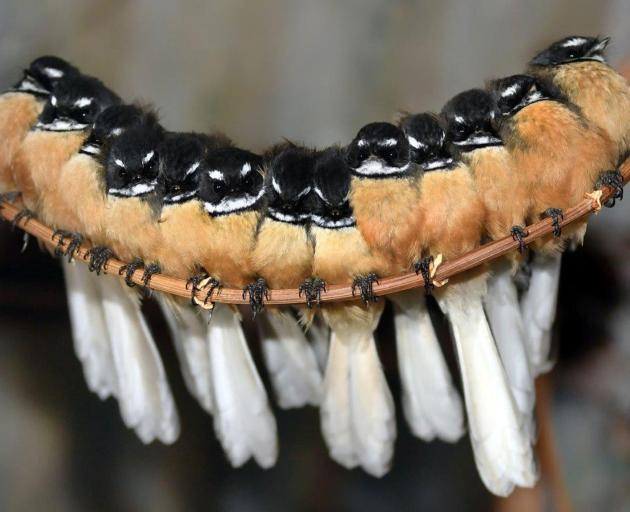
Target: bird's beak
[[596, 52]]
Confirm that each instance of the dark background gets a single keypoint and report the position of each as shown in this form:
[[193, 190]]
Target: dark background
[[314, 71]]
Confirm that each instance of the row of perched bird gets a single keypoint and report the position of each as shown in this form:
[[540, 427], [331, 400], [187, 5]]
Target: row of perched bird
[[398, 197]]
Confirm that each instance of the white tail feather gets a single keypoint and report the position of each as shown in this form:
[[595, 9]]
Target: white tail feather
[[500, 440], [538, 306], [189, 333], [506, 322], [357, 411], [431, 404], [89, 330], [319, 334], [144, 395], [243, 419], [291, 362]]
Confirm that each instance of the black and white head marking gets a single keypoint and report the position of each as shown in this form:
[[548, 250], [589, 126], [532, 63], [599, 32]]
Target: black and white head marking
[[516, 92], [230, 183], [379, 150], [572, 49], [428, 141]]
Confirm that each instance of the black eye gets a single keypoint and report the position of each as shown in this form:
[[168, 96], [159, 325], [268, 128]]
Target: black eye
[[248, 182], [219, 187], [392, 153], [363, 153], [177, 187], [572, 55], [122, 173]]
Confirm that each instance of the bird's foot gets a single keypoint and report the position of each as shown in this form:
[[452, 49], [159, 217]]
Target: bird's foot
[[614, 180], [518, 234], [556, 216], [193, 285], [129, 269], [73, 245], [210, 284], [365, 285], [423, 266], [98, 256], [149, 271], [24, 214], [257, 292], [312, 289]]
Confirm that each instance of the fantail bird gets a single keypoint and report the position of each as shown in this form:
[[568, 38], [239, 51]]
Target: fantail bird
[[214, 229], [126, 171], [384, 189], [357, 411], [469, 123], [60, 131], [283, 258], [559, 156], [21, 105], [445, 216], [577, 66], [179, 157]]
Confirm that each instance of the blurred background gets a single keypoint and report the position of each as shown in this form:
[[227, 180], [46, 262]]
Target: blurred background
[[315, 72]]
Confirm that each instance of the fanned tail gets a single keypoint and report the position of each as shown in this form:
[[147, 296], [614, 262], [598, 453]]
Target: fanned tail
[[357, 412], [146, 402], [538, 306], [89, 329], [499, 438], [243, 419], [189, 333], [506, 322], [431, 404], [291, 362]]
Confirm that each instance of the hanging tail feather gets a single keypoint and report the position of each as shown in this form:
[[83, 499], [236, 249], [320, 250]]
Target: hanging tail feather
[[538, 306], [243, 419], [506, 322], [189, 333], [500, 440], [431, 404], [146, 403], [290, 360], [89, 330], [357, 412], [319, 334]]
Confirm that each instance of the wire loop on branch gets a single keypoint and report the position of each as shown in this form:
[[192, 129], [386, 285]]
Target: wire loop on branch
[[332, 293]]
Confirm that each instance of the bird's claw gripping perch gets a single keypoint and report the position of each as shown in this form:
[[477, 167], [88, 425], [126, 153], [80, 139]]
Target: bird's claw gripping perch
[[149, 271], [257, 292], [518, 234], [613, 180], [428, 267], [98, 256], [365, 285], [312, 289], [24, 214], [210, 284], [73, 245], [557, 216], [129, 269]]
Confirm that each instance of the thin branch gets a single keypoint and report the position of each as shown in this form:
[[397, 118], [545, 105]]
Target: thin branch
[[334, 293]]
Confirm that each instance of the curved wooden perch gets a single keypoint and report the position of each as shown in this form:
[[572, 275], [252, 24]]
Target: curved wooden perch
[[334, 293]]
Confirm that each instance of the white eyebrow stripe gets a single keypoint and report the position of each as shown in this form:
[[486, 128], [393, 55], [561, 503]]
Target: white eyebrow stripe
[[320, 194], [83, 102], [192, 169], [304, 192], [275, 185], [415, 143], [147, 158], [362, 143], [459, 119], [574, 41], [388, 142], [53, 73], [510, 91], [120, 163], [116, 132], [216, 175], [53, 101], [246, 169]]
